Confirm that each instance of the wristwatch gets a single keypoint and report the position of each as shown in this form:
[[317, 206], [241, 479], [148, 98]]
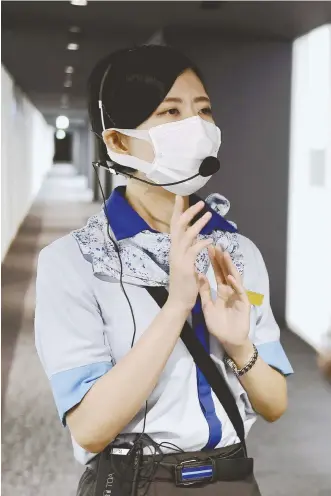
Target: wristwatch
[[240, 372]]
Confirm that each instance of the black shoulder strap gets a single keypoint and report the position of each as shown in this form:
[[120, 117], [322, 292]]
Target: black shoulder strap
[[207, 367]]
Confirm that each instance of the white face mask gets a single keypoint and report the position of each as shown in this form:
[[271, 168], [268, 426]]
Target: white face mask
[[180, 148]]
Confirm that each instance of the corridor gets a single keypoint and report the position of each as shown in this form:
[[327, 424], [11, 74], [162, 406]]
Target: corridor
[[37, 457], [292, 456]]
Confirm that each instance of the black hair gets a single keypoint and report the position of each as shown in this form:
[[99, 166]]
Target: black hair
[[135, 82]]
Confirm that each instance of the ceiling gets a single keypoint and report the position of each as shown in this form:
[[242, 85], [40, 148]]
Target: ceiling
[[35, 35]]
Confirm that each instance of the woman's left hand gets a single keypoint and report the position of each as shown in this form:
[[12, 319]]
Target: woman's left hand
[[228, 316]]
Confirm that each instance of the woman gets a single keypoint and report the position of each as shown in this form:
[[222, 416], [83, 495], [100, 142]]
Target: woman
[[120, 374]]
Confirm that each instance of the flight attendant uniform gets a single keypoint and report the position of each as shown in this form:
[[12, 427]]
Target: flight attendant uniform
[[84, 327]]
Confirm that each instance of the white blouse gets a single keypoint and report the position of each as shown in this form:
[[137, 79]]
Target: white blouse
[[83, 323]]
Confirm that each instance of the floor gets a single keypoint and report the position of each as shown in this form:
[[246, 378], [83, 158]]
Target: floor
[[292, 456]]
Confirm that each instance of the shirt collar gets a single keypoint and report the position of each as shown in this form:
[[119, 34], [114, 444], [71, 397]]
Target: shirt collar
[[125, 222]]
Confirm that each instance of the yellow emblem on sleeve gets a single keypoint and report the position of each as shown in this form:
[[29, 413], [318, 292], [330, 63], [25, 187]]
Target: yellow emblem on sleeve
[[255, 298]]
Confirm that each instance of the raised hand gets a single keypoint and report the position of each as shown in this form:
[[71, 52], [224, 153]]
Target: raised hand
[[183, 280], [228, 316]]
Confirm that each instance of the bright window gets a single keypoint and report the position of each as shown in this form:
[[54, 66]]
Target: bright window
[[308, 305]]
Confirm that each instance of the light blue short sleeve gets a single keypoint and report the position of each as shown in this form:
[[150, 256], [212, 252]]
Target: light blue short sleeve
[[70, 386], [69, 332], [274, 355]]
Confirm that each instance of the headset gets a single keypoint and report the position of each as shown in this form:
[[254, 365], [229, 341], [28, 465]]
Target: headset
[[208, 167]]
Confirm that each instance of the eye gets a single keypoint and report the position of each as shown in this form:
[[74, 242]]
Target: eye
[[206, 111], [172, 111]]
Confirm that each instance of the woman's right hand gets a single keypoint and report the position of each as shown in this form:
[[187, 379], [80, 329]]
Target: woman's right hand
[[183, 277]]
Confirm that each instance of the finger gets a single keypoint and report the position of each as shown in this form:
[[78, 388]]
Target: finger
[[177, 211], [219, 255], [219, 276], [192, 233], [189, 214], [238, 289], [204, 290], [195, 249], [230, 268]]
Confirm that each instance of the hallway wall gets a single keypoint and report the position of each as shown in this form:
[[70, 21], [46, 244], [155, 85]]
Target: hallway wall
[[250, 88], [26, 156]]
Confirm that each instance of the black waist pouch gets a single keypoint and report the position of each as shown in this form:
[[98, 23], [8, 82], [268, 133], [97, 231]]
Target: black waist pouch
[[213, 471]]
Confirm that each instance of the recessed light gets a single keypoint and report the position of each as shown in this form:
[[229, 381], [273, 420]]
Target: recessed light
[[69, 69], [60, 134], [73, 46], [79, 3], [62, 122], [74, 29], [67, 83]]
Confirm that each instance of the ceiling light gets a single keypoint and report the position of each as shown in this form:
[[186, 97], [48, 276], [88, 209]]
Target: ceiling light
[[67, 83], [73, 46], [74, 29], [69, 69], [60, 134], [62, 122], [79, 3]]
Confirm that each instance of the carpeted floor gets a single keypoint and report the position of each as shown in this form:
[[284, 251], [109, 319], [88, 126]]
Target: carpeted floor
[[293, 456]]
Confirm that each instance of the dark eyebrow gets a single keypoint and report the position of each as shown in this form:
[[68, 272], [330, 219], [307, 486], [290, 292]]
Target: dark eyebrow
[[201, 99], [174, 100], [179, 100]]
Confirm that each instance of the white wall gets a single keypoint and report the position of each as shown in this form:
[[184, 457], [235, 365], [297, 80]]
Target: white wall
[[27, 149], [308, 305]]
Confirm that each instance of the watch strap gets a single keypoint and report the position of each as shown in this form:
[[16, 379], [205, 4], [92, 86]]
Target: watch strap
[[246, 368]]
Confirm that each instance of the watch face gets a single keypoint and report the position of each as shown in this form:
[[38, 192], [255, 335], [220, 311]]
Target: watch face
[[232, 365]]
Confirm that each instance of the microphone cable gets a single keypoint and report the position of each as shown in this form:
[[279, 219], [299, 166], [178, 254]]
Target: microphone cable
[[209, 166], [143, 478], [116, 247]]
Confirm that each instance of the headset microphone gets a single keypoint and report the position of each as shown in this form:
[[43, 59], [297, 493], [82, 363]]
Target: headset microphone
[[208, 167]]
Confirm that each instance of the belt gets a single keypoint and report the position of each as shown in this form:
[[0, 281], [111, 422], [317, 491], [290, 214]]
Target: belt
[[185, 469]]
